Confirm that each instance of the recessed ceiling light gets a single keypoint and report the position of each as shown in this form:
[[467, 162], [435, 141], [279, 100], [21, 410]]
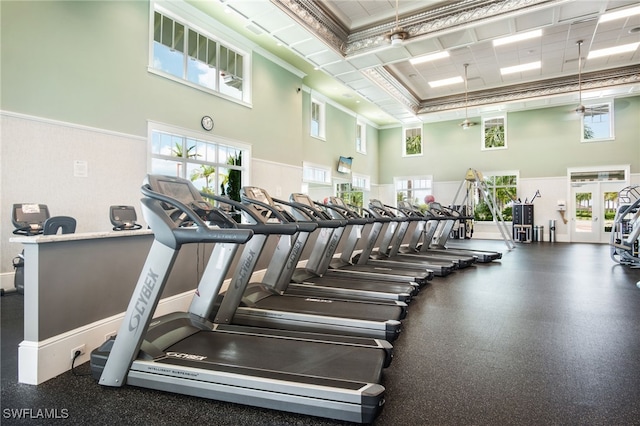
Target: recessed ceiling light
[[520, 68], [431, 57], [625, 13], [446, 82], [613, 50], [517, 37]]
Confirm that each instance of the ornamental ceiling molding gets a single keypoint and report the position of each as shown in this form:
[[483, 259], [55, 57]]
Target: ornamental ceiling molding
[[446, 18], [381, 77], [312, 16], [521, 92], [315, 19]]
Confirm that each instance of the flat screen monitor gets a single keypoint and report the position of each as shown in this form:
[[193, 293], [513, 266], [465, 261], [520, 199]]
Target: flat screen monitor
[[344, 164]]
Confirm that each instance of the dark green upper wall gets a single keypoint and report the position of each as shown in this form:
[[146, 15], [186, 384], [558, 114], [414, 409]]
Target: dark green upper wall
[[541, 143]]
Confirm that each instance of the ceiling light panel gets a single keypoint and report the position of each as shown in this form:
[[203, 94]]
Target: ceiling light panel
[[619, 14], [429, 58], [517, 37], [615, 50], [521, 68], [446, 82]]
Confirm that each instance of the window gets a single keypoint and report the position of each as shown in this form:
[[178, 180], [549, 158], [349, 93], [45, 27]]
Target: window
[[213, 167], [361, 182], [317, 119], [503, 189], [313, 173], [191, 56], [494, 133], [361, 137], [413, 189], [412, 144], [351, 195], [597, 123]]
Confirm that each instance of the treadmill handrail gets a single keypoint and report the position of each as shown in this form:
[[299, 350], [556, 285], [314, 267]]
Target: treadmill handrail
[[267, 206], [167, 232], [260, 227], [350, 220], [322, 222]]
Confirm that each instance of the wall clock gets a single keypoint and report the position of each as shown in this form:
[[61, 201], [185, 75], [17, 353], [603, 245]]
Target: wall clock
[[207, 123]]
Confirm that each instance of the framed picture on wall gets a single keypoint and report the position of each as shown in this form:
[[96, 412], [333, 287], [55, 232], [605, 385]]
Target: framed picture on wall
[[494, 133], [412, 142]]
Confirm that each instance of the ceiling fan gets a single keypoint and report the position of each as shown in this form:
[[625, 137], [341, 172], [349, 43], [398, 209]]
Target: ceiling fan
[[466, 123], [397, 34]]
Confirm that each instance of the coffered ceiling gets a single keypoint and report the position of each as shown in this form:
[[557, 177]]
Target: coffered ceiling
[[344, 48]]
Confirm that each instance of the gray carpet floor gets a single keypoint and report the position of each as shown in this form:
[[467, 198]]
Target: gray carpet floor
[[549, 335]]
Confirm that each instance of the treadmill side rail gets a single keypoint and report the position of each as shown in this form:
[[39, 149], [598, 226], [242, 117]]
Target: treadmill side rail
[[142, 305]]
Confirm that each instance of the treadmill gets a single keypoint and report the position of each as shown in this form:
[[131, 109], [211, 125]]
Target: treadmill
[[254, 303], [372, 258], [349, 264], [284, 275], [397, 251], [443, 230], [183, 352]]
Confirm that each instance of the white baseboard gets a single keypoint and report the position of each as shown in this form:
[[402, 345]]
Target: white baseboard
[[6, 280], [41, 361]]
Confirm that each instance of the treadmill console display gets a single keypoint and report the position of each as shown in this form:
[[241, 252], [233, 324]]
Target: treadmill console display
[[124, 214], [29, 218], [178, 190]]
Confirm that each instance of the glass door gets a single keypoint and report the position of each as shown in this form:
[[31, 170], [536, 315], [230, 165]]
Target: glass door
[[594, 208], [584, 217]]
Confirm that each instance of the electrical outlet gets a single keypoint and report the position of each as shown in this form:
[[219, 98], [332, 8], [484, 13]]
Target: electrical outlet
[[109, 335], [81, 348]]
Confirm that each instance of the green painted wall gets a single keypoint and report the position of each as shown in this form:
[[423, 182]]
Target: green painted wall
[[541, 143], [85, 62], [340, 140]]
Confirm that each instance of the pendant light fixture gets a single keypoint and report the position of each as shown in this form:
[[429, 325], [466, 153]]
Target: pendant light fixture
[[466, 123]]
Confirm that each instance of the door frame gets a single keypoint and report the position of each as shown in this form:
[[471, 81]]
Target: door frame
[[602, 172]]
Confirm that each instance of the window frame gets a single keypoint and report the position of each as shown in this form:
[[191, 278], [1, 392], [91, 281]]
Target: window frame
[[406, 188], [611, 114], [493, 189], [361, 137], [361, 182], [216, 142], [486, 119], [405, 141], [311, 167], [322, 118], [190, 21]]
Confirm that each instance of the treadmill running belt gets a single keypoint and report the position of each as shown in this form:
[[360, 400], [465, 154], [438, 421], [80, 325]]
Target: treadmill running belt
[[273, 356], [328, 307]]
